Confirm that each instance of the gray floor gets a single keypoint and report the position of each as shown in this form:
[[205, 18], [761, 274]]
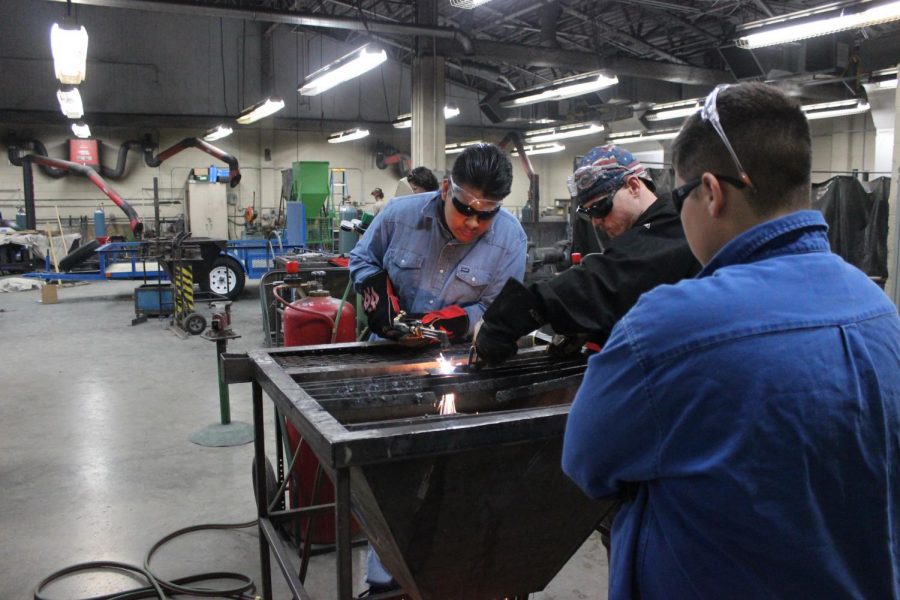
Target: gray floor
[[95, 460]]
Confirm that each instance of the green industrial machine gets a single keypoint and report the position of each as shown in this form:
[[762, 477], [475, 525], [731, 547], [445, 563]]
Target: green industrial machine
[[311, 187]]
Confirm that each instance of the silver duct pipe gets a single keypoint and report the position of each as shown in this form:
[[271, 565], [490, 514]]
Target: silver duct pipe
[[286, 17]]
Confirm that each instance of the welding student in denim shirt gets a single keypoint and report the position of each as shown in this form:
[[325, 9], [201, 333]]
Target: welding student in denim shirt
[[442, 255]]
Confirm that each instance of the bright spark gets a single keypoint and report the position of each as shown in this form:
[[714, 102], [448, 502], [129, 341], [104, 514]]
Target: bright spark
[[447, 405], [445, 366]]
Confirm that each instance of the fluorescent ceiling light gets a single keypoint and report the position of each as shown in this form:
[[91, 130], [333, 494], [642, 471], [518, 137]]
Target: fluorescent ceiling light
[[627, 137], [541, 149], [459, 147], [404, 121], [884, 78], [562, 132], [81, 129], [260, 110], [348, 135], [875, 15], [70, 102], [673, 110], [887, 83], [558, 90], [343, 69], [467, 4], [217, 133], [841, 108], [69, 47]]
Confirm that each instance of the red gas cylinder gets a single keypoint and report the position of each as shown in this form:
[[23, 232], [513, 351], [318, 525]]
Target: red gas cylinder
[[308, 322], [311, 320]]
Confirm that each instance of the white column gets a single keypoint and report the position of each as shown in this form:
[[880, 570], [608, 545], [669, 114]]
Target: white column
[[428, 133]]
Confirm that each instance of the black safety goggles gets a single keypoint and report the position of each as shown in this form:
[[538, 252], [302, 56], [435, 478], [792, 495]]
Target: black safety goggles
[[599, 209], [680, 194], [481, 215]]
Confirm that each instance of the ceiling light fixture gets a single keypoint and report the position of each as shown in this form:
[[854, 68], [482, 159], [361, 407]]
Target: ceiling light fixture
[[348, 135], [531, 150], [70, 102], [559, 90], [404, 121], [627, 137], [672, 110], [81, 129], [562, 132], [841, 108], [459, 147], [260, 110], [884, 78], [343, 69], [69, 47], [841, 21], [467, 4], [217, 133]]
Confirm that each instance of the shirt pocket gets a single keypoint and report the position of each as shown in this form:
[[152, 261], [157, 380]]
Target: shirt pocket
[[467, 285], [405, 271]]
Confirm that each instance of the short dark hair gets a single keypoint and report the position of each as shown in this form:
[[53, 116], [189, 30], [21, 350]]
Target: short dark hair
[[423, 178], [484, 167], [770, 135]]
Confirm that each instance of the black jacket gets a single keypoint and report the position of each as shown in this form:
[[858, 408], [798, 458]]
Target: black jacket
[[591, 297]]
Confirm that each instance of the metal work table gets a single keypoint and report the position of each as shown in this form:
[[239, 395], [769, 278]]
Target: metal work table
[[482, 486]]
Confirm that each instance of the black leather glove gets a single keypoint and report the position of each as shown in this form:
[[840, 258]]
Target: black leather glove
[[381, 305], [514, 313]]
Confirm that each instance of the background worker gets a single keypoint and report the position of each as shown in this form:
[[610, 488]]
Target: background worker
[[648, 248], [421, 180], [379, 200], [752, 413], [445, 259]]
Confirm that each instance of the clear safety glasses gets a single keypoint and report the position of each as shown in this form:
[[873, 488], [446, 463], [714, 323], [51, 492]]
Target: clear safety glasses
[[710, 113]]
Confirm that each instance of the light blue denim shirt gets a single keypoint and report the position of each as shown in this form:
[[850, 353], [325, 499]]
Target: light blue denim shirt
[[428, 267]]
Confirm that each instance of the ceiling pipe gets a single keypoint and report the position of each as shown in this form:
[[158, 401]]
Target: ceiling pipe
[[286, 17]]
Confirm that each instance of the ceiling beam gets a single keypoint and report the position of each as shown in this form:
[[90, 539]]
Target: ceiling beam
[[539, 56]]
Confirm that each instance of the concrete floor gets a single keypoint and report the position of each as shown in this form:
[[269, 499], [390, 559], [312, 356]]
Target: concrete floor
[[95, 460]]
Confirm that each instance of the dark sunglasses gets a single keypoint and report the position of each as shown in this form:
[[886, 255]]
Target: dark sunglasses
[[481, 215], [680, 194], [601, 208]]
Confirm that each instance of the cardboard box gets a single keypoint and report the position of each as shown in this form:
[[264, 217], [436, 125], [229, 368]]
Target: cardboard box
[[48, 294]]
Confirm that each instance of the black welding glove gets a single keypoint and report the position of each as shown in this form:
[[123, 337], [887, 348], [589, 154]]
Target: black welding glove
[[514, 313], [381, 305]]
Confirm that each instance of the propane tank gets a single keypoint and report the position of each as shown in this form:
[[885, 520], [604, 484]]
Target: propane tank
[[347, 239], [310, 320], [100, 225]]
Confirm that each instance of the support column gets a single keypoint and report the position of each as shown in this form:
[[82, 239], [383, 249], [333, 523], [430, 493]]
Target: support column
[[428, 133], [892, 287]]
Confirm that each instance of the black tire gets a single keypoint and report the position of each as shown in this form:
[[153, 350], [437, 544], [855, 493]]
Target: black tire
[[225, 278], [78, 256], [194, 323]]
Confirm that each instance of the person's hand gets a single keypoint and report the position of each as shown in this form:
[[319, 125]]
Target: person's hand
[[380, 304], [451, 319], [510, 316], [566, 346], [494, 346]]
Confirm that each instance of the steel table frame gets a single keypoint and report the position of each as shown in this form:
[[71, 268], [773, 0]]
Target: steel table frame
[[339, 449]]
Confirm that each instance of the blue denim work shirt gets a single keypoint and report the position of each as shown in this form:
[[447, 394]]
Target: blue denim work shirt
[[751, 417], [428, 267]]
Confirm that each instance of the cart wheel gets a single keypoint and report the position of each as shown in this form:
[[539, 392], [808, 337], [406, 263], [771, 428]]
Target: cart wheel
[[226, 278], [194, 323]]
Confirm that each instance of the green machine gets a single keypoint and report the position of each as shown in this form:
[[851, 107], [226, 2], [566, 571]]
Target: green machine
[[310, 186]]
